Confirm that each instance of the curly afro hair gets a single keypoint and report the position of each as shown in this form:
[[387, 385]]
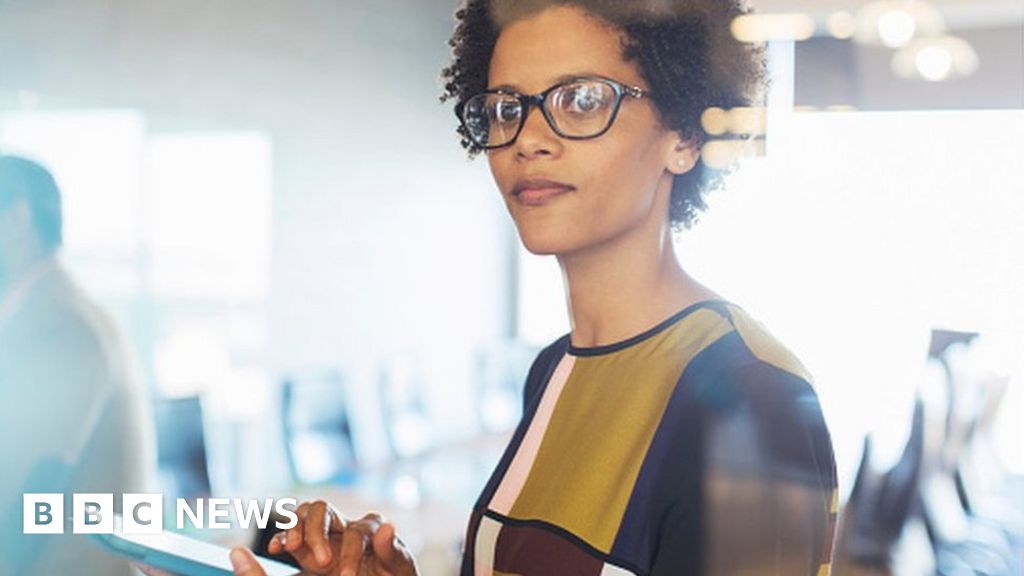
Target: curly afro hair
[[684, 49]]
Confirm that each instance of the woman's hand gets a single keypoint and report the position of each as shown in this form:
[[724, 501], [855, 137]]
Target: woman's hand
[[355, 560], [325, 543]]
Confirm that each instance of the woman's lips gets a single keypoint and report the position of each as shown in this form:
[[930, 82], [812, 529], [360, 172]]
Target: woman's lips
[[537, 192]]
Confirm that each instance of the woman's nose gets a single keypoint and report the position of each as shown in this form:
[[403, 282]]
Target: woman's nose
[[537, 138]]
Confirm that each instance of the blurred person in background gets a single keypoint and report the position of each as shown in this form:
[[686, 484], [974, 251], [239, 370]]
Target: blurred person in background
[[73, 418]]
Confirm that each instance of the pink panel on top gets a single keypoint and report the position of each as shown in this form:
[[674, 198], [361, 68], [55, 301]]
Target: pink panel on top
[[515, 476]]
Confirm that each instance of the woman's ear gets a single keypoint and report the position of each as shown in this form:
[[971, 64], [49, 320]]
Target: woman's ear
[[682, 155]]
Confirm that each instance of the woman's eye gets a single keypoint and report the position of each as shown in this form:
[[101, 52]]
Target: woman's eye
[[584, 99], [506, 112]]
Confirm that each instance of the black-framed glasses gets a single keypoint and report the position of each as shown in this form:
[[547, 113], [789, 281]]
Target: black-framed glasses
[[578, 109]]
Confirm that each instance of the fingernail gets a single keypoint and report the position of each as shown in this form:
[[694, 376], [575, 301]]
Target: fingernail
[[240, 560], [283, 538]]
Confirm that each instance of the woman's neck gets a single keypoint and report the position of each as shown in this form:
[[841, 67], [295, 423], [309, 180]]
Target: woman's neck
[[626, 285]]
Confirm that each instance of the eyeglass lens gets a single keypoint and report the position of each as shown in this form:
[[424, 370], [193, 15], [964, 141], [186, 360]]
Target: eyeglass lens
[[579, 109]]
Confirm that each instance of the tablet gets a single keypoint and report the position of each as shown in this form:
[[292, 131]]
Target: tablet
[[180, 554]]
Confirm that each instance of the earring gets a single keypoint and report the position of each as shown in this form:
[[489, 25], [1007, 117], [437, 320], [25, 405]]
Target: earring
[[681, 162]]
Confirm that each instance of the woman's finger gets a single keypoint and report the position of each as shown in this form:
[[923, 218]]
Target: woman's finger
[[355, 543], [317, 530], [391, 552], [292, 539], [276, 544], [245, 563]]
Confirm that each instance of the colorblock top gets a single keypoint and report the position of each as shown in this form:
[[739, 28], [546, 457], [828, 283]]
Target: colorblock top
[[696, 447]]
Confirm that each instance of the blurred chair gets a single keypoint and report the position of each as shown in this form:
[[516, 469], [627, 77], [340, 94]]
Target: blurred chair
[[404, 406], [879, 506], [986, 488], [181, 447], [318, 430], [499, 376], [941, 340], [963, 543]]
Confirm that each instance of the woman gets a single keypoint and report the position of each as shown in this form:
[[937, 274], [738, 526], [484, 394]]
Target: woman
[[668, 433]]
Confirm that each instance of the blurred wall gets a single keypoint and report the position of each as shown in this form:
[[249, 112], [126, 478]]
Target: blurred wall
[[384, 236]]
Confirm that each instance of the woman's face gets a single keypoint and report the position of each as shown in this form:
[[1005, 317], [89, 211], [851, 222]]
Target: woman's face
[[570, 195]]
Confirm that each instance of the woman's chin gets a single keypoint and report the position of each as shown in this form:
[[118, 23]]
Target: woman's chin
[[540, 250], [546, 242]]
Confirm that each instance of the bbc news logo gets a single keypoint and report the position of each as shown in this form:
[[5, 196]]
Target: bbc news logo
[[144, 513]]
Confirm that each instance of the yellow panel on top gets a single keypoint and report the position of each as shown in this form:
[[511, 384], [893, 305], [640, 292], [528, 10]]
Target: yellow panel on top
[[602, 427], [764, 345]]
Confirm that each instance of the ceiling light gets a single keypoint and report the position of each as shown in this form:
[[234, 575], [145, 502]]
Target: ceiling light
[[842, 25], [895, 23], [765, 27], [936, 59]]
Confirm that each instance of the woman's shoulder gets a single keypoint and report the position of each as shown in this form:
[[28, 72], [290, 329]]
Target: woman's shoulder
[[750, 345], [749, 383], [748, 373]]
